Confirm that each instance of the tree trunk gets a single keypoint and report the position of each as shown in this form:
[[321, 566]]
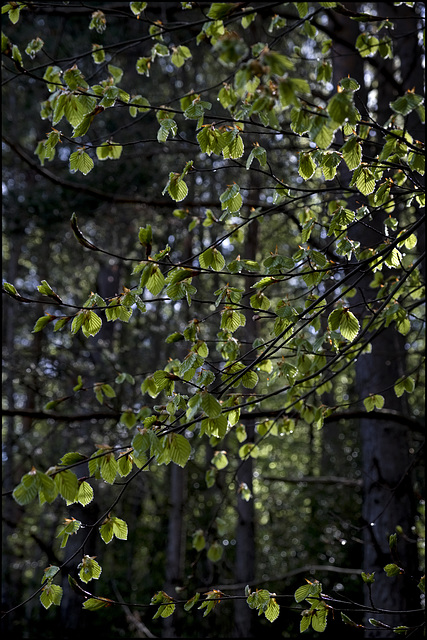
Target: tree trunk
[[245, 535], [174, 550], [386, 460]]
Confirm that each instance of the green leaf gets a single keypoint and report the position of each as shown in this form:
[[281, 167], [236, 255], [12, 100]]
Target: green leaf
[[156, 281], [330, 162], [260, 301], [219, 10], [302, 8], [116, 73], [179, 55], [198, 542], [349, 84], [51, 594], [98, 22], [272, 611], [220, 460], [33, 47], [260, 154], [67, 485], [89, 569], [212, 258], [81, 161], [27, 489], [143, 66], [231, 200], [125, 465], [349, 325], [42, 322], [49, 573], [215, 552], [139, 105], [168, 127], [138, 7], [307, 166], [120, 528], [94, 604], [235, 149], [250, 379], [352, 152], [404, 384], [231, 320], [210, 405], [288, 89], [109, 151], [113, 527], [368, 578], [165, 610], [216, 427], [85, 494], [345, 321], [278, 63], [176, 187], [47, 290], [406, 103], [364, 180], [190, 603], [378, 623], [318, 621], [348, 620], [180, 449], [109, 468], [375, 401], [249, 450], [91, 324], [392, 570], [98, 53], [341, 108], [367, 45], [311, 589], [71, 457]]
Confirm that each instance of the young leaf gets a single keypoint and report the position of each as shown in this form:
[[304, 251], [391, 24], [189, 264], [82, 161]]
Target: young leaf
[[89, 569], [349, 325], [91, 324], [81, 161], [94, 604], [42, 322], [85, 494], [210, 405], [109, 468], [307, 166], [180, 449], [215, 552], [372, 402], [51, 594]]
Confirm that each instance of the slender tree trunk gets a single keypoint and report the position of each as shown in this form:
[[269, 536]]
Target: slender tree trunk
[[174, 550], [245, 535], [11, 511], [386, 460]]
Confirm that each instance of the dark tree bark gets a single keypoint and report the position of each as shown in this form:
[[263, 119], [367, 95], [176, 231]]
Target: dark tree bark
[[386, 458], [174, 550], [245, 535]]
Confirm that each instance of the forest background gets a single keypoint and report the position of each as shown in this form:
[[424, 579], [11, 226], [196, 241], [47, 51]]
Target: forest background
[[213, 320]]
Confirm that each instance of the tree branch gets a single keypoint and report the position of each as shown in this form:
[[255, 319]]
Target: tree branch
[[383, 414], [317, 480]]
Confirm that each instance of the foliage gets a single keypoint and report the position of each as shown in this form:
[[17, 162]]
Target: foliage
[[232, 337]]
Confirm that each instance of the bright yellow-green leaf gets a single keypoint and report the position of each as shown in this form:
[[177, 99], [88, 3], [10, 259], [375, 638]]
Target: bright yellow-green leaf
[[372, 402]]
